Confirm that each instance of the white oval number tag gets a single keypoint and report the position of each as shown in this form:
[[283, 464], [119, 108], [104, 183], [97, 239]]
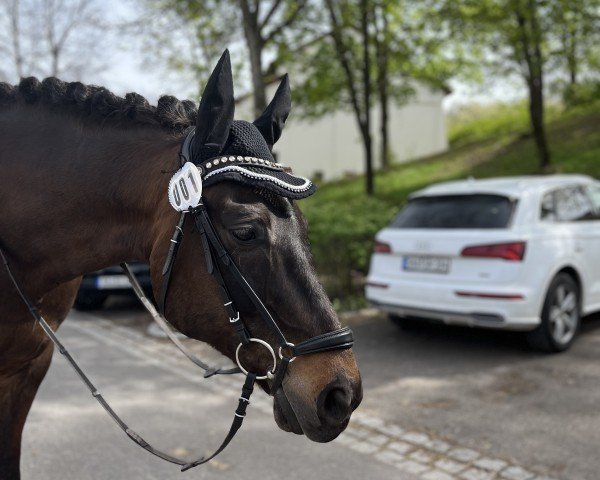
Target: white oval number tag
[[185, 188]]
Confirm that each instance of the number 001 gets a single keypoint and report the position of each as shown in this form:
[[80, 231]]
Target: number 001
[[181, 189]]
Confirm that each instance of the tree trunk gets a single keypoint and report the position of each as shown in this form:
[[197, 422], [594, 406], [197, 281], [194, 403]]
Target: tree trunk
[[16, 37], [573, 76], [384, 128], [255, 44], [360, 99], [55, 54], [536, 115], [530, 39], [569, 45], [536, 107], [572, 59], [366, 78], [381, 45], [368, 147]]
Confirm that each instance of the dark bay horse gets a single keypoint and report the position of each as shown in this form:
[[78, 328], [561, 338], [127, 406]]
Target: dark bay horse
[[83, 187]]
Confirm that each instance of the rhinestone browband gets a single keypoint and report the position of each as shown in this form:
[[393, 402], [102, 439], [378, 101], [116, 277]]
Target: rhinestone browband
[[215, 162]]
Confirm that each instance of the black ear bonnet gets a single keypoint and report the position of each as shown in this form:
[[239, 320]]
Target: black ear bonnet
[[240, 151]]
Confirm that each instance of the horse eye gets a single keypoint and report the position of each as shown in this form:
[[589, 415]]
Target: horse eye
[[244, 234]]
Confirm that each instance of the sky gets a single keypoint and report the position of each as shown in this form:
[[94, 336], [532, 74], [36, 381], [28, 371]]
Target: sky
[[128, 73]]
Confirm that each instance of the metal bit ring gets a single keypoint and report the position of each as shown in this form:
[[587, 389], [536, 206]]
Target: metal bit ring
[[269, 373]]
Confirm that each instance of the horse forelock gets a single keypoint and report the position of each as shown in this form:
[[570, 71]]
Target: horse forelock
[[97, 102]]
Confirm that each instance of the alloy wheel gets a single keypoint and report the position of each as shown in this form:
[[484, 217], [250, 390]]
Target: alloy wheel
[[564, 314]]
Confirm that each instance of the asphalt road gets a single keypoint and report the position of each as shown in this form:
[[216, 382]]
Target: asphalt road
[[69, 437], [487, 390], [440, 403]]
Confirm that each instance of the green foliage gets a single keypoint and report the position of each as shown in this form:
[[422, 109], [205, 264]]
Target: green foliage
[[418, 49], [341, 235], [187, 36], [343, 220], [190, 35], [576, 37], [319, 94], [582, 94], [531, 38]]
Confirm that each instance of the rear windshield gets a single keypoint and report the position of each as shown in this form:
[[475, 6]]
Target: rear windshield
[[456, 211]]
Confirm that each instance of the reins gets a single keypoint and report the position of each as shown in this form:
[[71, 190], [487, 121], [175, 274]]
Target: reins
[[216, 257], [240, 412]]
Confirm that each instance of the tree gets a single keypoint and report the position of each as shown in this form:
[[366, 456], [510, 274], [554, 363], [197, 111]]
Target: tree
[[350, 34], [578, 34], [49, 37], [514, 36], [381, 22], [261, 31], [185, 36], [409, 47], [528, 37], [527, 49], [260, 24], [373, 52]]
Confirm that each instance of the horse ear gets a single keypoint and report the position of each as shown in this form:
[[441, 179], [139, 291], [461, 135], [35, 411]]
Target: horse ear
[[271, 122], [215, 113]]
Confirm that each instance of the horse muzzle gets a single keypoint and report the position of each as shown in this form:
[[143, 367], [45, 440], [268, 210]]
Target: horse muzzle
[[321, 407]]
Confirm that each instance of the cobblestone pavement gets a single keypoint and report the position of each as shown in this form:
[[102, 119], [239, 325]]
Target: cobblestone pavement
[[415, 454]]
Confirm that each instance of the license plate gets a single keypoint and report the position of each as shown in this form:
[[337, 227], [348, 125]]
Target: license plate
[[107, 282], [426, 264]]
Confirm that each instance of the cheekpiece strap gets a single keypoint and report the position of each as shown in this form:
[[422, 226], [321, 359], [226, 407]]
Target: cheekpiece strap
[[203, 224], [185, 152], [170, 262]]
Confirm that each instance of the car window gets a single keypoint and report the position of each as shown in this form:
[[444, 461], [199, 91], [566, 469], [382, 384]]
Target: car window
[[593, 192], [456, 211], [569, 204], [548, 211]]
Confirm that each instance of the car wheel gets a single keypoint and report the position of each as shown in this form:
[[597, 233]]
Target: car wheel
[[406, 323], [561, 316], [89, 301]]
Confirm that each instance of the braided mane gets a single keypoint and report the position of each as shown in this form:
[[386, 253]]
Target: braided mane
[[94, 101]]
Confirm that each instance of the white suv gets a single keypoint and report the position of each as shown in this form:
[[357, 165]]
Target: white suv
[[517, 253]]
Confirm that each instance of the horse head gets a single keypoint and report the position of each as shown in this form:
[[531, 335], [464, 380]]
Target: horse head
[[255, 216]]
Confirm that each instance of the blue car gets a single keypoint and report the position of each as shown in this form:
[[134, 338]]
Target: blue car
[[98, 286]]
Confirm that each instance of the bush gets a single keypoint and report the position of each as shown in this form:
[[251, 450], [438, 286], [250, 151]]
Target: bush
[[341, 234], [581, 94]]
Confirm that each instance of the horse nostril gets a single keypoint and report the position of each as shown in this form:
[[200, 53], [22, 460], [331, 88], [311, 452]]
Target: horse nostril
[[335, 404]]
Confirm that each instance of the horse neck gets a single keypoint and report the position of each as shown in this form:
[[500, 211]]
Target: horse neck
[[94, 196]]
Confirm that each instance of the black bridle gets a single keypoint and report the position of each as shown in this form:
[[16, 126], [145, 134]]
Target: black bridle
[[216, 257]]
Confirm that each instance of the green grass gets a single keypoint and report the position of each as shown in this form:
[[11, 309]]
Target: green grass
[[488, 142]]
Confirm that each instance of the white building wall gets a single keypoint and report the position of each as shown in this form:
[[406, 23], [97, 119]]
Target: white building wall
[[331, 145]]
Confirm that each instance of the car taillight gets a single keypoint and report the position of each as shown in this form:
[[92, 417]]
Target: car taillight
[[381, 247], [514, 251]]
